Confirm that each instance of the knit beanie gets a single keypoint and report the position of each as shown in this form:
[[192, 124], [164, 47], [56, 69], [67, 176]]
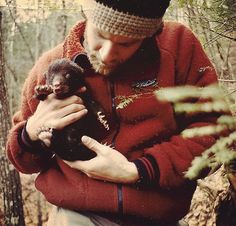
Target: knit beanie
[[129, 18]]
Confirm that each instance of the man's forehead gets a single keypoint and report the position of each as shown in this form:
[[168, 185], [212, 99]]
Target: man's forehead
[[111, 36]]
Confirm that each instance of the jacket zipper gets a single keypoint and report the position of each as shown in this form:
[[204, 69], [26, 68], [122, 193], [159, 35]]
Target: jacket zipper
[[114, 112], [113, 105]]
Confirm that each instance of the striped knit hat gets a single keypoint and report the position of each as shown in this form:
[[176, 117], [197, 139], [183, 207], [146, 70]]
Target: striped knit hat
[[130, 18]]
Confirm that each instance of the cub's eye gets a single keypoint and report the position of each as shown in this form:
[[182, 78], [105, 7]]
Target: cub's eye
[[68, 76]]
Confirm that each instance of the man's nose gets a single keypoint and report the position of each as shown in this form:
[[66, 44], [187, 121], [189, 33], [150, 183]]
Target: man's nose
[[108, 53]]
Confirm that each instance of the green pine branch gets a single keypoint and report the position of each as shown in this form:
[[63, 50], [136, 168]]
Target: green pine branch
[[206, 100]]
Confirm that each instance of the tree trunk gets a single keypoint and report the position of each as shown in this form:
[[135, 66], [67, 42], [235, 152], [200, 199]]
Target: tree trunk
[[9, 179], [232, 58], [64, 19]]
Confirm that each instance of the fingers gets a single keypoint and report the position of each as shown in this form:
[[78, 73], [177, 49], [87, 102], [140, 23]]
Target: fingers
[[61, 103], [71, 118], [51, 104], [70, 109], [47, 142], [58, 113], [55, 113], [93, 145], [46, 138], [86, 166]]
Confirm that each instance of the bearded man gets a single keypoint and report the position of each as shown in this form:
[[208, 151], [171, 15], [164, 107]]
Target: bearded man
[[127, 51]]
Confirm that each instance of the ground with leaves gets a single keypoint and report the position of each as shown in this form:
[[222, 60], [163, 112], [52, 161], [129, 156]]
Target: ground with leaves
[[35, 207], [206, 198]]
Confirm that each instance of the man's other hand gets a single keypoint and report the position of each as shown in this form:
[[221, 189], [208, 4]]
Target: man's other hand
[[108, 165]]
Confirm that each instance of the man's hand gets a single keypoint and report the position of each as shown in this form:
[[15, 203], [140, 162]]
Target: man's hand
[[53, 113], [108, 165]]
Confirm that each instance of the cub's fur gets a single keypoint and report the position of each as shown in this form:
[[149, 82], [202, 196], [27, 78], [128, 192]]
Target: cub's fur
[[64, 78]]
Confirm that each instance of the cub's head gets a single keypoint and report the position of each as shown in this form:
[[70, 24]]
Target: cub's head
[[65, 77]]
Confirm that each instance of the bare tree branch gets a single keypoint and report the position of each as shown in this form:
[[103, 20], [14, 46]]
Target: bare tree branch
[[21, 33]]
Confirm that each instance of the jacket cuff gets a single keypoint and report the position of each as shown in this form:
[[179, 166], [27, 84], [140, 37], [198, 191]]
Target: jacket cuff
[[27, 144], [148, 170]]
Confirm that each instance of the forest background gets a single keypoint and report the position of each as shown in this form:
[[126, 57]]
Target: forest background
[[30, 27]]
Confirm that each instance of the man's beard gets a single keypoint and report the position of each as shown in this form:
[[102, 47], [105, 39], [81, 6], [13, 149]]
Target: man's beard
[[96, 61]]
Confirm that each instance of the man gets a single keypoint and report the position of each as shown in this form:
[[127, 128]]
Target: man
[[127, 52]]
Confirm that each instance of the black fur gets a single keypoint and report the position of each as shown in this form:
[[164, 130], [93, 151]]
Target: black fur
[[64, 78]]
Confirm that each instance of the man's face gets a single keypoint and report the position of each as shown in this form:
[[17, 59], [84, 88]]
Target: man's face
[[107, 51]]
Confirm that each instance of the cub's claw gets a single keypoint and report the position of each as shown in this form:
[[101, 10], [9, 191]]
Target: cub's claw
[[102, 119]]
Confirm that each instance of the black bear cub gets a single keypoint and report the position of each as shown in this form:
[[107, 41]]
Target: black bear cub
[[64, 78]]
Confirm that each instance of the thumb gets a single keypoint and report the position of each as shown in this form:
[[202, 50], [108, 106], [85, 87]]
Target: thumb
[[92, 144]]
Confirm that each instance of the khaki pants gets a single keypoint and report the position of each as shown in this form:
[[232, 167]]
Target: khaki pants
[[65, 217]]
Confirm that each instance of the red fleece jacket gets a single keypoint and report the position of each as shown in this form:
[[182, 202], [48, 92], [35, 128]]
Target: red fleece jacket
[[145, 131]]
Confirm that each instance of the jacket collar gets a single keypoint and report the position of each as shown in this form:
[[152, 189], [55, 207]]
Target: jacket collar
[[73, 42]]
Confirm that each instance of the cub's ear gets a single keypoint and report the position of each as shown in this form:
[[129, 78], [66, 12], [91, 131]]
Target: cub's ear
[[68, 76]]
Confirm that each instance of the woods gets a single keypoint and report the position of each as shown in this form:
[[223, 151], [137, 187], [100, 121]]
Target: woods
[[11, 198], [29, 28]]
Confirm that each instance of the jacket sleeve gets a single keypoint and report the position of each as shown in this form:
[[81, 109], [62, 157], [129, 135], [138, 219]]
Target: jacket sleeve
[[165, 163], [23, 160]]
